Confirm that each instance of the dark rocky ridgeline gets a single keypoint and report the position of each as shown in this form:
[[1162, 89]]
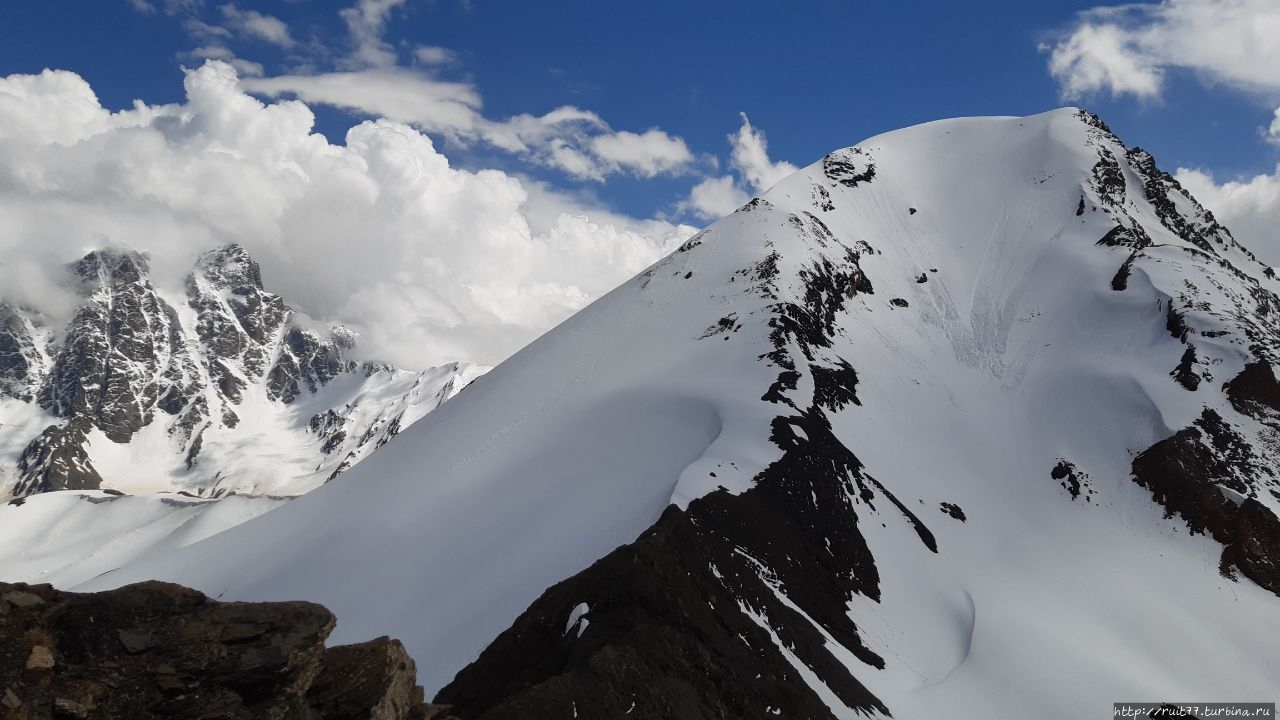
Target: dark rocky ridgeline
[[690, 620], [156, 650]]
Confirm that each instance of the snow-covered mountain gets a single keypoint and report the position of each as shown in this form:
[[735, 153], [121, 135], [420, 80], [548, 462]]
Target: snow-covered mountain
[[212, 391], [974, 419]]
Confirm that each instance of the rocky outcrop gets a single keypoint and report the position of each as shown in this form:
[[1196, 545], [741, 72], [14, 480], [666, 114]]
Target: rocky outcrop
[[56, 460], [156, 650]]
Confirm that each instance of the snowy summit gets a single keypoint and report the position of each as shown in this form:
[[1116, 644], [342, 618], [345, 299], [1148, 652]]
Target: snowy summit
[[974, 418]]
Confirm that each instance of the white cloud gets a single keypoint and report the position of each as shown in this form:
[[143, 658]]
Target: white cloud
[[434, 55], [755, 173], [371, 82], [1124, 50], [648, 154], [221, 52], [1273, 132], [267, 28], [448, 108], [367, 21], [578, 142], [1101, 57], [714, 198], [429, 263], [750, 157], [1249, 208]]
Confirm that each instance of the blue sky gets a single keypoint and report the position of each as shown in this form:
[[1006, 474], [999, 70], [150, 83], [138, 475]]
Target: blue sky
[[510, 162], [812, 75]]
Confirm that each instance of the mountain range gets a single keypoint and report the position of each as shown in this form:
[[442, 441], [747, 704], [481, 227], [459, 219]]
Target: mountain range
[[217, 390], [977, 418]]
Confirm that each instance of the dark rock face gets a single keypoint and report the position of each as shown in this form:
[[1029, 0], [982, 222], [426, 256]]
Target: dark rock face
[[849, 167], [1186, 473], [22, 364], [120, 341], [1185, 373], [370, 681], [56, 460], [236, 318], [1073, 480], [307, 362], [156, 650]]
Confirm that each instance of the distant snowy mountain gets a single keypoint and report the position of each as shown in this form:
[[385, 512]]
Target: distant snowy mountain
[[211, 392], [975, 419]]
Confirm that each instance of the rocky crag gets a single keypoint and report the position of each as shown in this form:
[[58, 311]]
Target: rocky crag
[[156, 650]]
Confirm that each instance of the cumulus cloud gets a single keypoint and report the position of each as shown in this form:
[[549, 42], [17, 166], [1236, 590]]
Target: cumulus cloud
[[1124, 50], [428, 262], [1102, 57], [753, 172], [715, 197], [650, 153], [267, 28]]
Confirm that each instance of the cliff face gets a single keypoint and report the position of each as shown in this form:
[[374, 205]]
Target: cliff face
[[157, 650]]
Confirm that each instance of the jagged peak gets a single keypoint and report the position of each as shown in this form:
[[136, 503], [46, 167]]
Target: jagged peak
[[111, 267], [230, 266]]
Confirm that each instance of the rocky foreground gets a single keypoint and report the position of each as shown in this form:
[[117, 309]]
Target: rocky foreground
[[158, 650]]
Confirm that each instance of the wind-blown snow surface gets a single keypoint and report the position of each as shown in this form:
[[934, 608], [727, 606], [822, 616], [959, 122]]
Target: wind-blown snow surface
[[997, 343], [71, 536]]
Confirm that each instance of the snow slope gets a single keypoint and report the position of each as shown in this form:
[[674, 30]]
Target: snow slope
[[68, 537], [987, 321]]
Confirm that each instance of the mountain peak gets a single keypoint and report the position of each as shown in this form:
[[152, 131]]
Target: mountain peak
[[111, 268], [197, 382], [783, 458], [230, 266]]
